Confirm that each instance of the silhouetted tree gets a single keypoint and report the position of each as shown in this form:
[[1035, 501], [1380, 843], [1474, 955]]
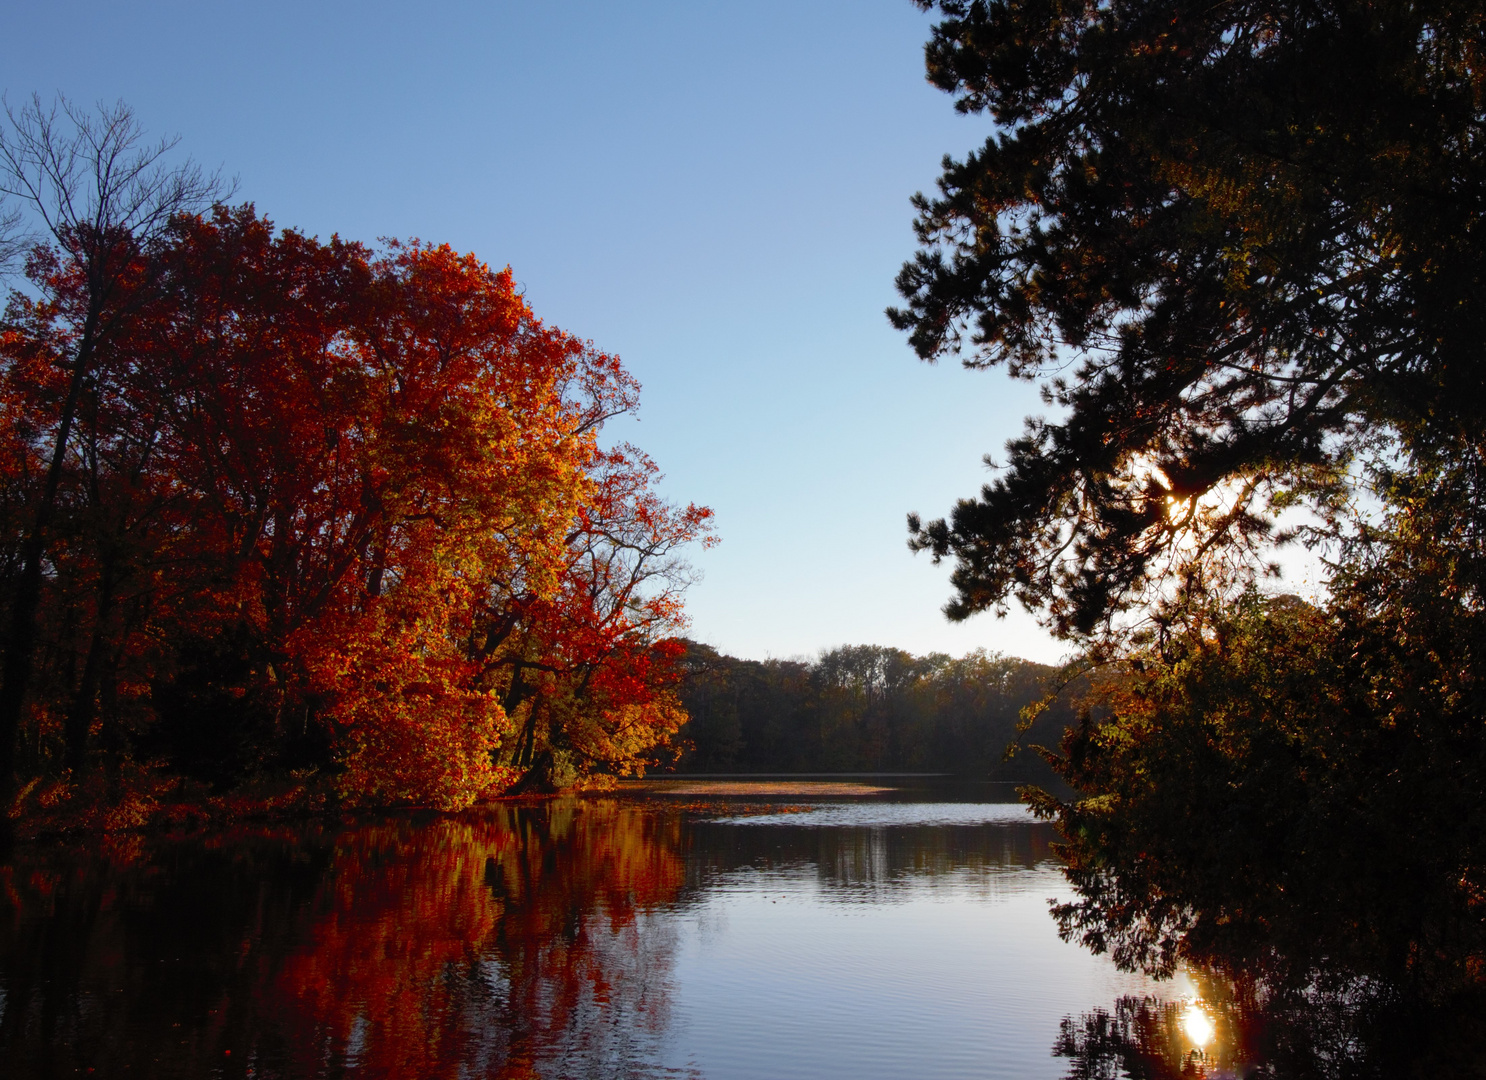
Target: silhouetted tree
[[100, 197], [1241, 243]]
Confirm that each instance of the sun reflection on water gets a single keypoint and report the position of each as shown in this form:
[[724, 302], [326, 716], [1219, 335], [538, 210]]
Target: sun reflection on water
[[1197, 1024]]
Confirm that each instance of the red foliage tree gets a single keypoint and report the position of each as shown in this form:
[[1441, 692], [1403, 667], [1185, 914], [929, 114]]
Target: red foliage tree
[[356, 507]]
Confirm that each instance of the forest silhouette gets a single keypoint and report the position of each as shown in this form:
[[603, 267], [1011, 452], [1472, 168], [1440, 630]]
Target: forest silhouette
[[1240, 246], [863, 708]]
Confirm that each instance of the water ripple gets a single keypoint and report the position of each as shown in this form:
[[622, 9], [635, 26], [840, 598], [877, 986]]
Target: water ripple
[[867, 815]]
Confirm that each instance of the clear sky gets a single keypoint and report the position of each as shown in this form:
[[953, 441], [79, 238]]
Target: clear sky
[[716, 192]]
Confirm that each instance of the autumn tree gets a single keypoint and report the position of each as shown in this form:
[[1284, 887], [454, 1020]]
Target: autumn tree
[[592, 666], [328, 505], [99, 196]]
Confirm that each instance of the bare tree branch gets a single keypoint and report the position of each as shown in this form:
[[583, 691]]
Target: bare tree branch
[[96, 191], [84, 174]]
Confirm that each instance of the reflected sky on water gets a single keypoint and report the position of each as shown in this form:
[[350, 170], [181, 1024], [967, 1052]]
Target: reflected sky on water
[[877, 815], [621, 936]]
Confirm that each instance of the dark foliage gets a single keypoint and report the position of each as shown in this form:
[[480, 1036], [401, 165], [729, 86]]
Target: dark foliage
[[1243, 245], [860, 708], [1240, 240], [1347, 1032], [1283, 788]]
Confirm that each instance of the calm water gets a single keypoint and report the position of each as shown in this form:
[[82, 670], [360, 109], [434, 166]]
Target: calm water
[[898, 935]]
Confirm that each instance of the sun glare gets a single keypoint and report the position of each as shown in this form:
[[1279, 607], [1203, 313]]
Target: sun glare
[[1197, 1024]]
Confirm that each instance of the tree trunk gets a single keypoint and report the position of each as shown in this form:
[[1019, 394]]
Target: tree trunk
[[84, 710], [20, 645]]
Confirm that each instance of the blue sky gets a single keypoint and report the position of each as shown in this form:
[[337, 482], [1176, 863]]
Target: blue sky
[[717, 193]]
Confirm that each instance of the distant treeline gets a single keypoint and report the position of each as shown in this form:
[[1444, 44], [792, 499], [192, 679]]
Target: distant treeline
[[864, 708]]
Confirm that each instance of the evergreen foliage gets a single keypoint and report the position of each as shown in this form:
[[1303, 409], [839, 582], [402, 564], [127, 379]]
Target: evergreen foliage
[[1242, 244]]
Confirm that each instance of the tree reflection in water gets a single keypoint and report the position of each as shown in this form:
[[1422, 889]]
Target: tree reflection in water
[[542, 940], [477, 946], [1331, 1030]]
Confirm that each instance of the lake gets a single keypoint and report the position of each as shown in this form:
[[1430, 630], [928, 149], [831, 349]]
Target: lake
[[717, 929]]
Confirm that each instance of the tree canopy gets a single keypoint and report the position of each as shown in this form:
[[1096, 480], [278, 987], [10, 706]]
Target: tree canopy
[[1242, 245], [298, 505], [1240, 242], [859, 708]]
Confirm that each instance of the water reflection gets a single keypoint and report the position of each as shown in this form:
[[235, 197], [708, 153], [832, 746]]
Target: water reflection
[[871, 863], [869, 815], [1147, 1038], [1337, 1029], [594, 938], [434, 948]]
